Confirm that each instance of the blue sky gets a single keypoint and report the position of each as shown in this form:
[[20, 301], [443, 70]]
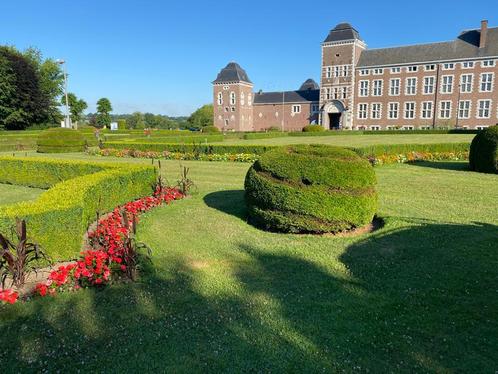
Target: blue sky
[[161, 56]]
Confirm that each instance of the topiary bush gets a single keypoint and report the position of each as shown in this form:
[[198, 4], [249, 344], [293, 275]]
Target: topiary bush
[[484, 151], [311, 189], [313, 128], [60, 140], [210, 129]]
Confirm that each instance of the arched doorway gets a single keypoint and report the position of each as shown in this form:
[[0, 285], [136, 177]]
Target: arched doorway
[[332, 115]]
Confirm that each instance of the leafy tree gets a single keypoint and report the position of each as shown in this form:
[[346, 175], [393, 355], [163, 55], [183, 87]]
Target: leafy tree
[[104, 108], [136, 121], [202, 117], [76, 106]]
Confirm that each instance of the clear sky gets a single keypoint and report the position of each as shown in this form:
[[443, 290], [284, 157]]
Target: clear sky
[[161, 56]]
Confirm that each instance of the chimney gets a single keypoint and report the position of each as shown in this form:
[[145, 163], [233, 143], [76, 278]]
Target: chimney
[[484, 33]]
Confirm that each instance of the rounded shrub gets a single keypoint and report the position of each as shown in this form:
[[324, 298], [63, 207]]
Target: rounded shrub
[[484, 151], [313, 128], [60, 140], [311, 189], [210, 129]]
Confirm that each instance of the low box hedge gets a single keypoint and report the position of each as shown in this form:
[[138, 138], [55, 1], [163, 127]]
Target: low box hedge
[[264, 135], [58, 219], [60, 140], [388, 149]]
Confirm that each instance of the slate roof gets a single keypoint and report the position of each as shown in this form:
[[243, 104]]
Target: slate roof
[[232, 73], [309, 84], [464, 47], [343, 31], [306, 96]]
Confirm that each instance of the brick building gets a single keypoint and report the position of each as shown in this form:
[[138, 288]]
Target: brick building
[[444, 84]]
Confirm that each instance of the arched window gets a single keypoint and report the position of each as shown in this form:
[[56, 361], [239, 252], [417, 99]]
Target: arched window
[[220, 98], [232, 98]]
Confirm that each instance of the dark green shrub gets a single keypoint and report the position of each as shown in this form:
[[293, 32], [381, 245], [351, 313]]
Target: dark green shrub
[[311, 189], [210, 129], [59, 140], [313, 128], [484, 151]]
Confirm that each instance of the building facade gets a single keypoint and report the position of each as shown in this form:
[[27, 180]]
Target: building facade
[[438, 85]]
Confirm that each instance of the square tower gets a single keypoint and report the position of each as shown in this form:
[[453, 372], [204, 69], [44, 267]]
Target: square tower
[[233, 99], [341, 51]]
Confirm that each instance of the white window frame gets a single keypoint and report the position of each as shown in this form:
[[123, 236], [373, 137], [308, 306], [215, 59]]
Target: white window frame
[[296, 109], [375, 128], [393, 112], [362, 111], [466, 110], [432, 85], [328, 72], [396, 70], [479, 109], [412, 69], [233, 98], [449, 66], [430, 67], [464, 85], [467, 64], [488, 63], [445, 113], [376, 88], [394, 90], [220, 98], [413, 110], [426, 111], [491, 84], [408, 87], [364, 72], [376, 110], [378, 71], [445, 85]]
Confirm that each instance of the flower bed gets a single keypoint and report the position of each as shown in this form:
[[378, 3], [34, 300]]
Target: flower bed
[[418, 156], [105, 257]]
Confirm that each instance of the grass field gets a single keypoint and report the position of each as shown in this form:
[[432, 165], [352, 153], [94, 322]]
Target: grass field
[[10, 194], [419, 295], [358, 140]]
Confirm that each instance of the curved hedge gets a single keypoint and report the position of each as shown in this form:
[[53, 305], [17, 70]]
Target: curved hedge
[[60, 140], [484, 151], [60, 216], [311, 189]]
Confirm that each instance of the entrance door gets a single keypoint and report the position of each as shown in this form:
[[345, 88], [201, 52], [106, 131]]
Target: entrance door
[[334, 121]]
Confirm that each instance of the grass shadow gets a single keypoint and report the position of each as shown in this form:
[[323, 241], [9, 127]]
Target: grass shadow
[[230, 202], [443, 165]]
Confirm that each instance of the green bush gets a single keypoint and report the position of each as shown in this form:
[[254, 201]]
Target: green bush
[[313, 128], [121, 124], [264, 135], [484, 151], [59, 140], [311, 189], [389, 149], [210, 129], [60, 216]]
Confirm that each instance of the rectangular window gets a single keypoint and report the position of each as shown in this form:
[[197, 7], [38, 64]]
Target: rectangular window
[[376, 110], [486, 82], [328, 93], [315, 108], [484, 109], [395, 70], [448, 66], [464, 109], [378, 71], [393, 110], [409, 110], [337, 71], [377, 87], [426, 110], [375, 128], [488, 63], [447, 84], [466, 83], [328, 72], [363, 91], [296, 109], [429, 85], [445, 109], [345, 71], [430, 67], [412, 69], [411, 86], [467, 64], [362, 111], [394, 86], [344, 93], [364, 72], [336, 93]]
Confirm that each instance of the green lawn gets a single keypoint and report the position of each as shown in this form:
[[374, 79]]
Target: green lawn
[[359, 140], [419, 295], [10, 194]]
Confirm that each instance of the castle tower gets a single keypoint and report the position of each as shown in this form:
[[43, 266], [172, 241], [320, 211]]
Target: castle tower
[[341, 51], [233, 99]]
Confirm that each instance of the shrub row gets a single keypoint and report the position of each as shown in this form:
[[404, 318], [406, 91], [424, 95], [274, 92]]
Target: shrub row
[[392, 149], [264, 135], [202, 138], [311, 189], [60, 216]]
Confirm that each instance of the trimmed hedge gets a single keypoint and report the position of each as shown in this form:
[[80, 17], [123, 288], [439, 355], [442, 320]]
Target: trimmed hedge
[[60, 140], [201, 138], [313, 128], [311, 189], [264, 135], [58, 219], [389, 149], [484, 151], [210, 129]]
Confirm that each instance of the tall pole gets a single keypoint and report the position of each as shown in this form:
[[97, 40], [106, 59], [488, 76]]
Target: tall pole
[[67, 121]]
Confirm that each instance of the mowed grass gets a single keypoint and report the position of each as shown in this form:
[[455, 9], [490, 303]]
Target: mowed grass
[[359, 140], [10, 194], [419, 295]]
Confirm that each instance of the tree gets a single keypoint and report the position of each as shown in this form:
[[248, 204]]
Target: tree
[[202, 117], [76, 106], [136, 121], [104, 108]]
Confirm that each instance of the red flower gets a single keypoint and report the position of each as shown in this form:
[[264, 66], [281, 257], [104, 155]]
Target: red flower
[[8, 296]]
